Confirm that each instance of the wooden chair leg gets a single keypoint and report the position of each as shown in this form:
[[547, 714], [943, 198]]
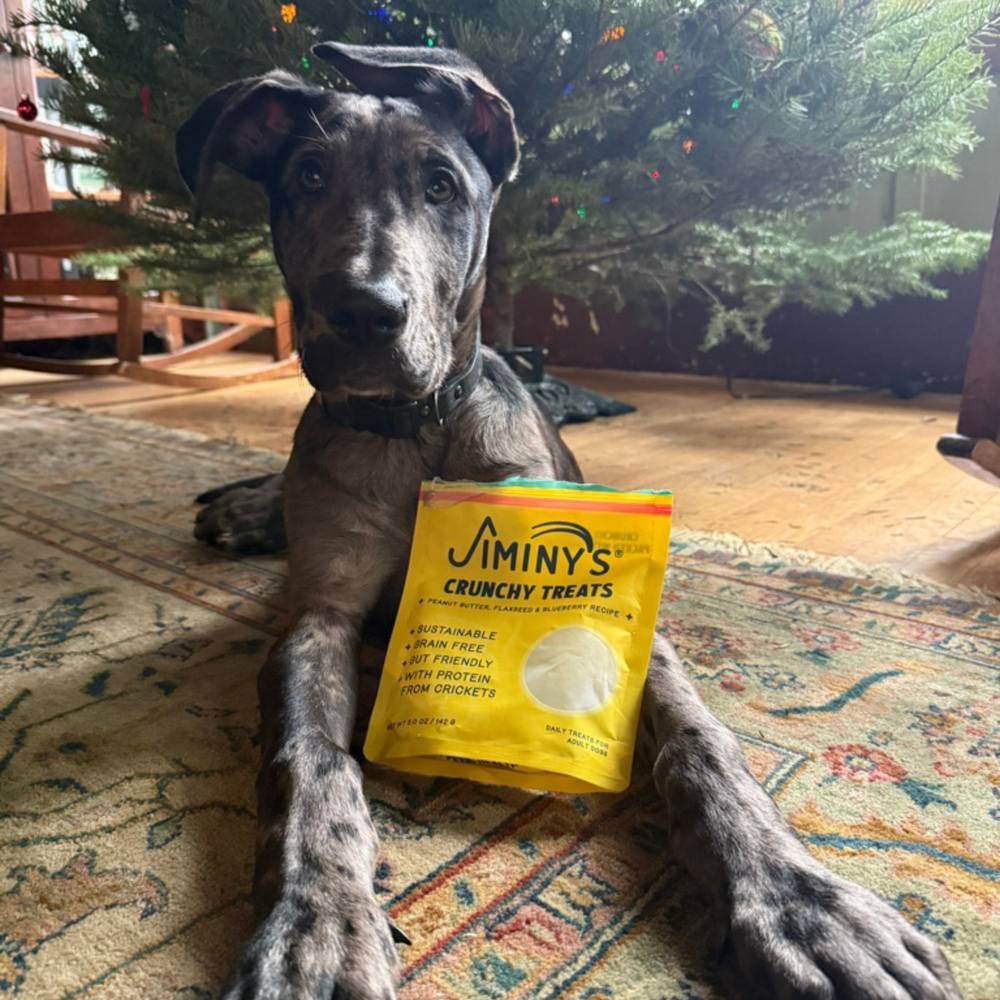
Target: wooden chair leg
[[282, 348], [174, 326], [3, 170], [974, 447], [129, 335], [979, 415], [3, 211]]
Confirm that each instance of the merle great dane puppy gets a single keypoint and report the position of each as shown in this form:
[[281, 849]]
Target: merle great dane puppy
[[380, 208]]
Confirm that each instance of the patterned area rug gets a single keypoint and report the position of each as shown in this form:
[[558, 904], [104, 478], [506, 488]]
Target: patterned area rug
[[868, 705]]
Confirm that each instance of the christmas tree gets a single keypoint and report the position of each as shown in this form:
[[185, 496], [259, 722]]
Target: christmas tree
[[669, 146]]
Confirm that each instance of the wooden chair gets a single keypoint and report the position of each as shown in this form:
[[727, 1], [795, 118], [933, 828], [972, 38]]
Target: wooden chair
[[33, 308], [975, 445]]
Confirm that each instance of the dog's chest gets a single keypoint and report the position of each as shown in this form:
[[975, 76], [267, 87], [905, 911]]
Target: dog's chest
[[381, 473], [364, 476]]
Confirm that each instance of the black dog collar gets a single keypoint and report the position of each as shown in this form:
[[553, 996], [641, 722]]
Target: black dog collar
[[405, 420]]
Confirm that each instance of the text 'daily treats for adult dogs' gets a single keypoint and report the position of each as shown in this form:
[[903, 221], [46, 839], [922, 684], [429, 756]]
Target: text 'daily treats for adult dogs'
[[522, 640]]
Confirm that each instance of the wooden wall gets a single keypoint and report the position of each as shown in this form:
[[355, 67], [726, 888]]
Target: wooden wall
[[905, 340]]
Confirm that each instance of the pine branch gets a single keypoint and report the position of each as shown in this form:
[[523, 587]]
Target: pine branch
[[826, 97]]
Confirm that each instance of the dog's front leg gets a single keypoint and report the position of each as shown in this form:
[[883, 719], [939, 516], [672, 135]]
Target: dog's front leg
[[320, 930], [792, 928]]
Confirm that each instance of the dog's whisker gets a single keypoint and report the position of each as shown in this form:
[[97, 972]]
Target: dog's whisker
[[318, 123]]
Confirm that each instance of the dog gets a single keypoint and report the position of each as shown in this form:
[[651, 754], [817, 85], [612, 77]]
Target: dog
[[380, 210]]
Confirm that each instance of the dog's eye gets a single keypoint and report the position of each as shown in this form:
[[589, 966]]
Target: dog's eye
[[441, 187], [311, 176]]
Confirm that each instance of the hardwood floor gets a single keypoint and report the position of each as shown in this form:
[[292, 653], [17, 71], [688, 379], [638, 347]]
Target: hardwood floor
[[852, 475]]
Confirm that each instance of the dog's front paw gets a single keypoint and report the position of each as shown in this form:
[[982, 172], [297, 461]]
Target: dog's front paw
[[798, 932], [246, 517], [342, 951]]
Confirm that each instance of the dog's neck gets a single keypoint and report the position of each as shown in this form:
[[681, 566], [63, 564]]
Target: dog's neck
[[405, 419]]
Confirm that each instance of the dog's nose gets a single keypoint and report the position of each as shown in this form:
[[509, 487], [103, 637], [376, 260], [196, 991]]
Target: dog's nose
[[372, 312]]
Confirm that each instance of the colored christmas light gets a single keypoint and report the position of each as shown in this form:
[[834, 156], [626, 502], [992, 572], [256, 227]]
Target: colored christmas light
[[655, 175], [676, 66], [735, 104], [305, 63], [430, 43], [567, 90], [554, 199], [582, 212], [611, 35], [660, 56], [687, 145], [288, 12], [761, 33], [606, 199]]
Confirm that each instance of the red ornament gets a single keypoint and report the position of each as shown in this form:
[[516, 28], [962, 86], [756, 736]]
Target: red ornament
[[147, 106], [27, 110]]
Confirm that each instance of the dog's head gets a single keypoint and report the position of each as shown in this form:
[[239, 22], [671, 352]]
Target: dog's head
[[380, 204]]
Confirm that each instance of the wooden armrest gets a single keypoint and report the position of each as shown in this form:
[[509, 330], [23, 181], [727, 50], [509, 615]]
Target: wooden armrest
[[50, 130]]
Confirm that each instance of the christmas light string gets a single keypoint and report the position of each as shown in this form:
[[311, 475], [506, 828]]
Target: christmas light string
[[385, 14]]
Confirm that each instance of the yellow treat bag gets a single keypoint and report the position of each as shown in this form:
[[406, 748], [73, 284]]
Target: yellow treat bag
[[522, 640]]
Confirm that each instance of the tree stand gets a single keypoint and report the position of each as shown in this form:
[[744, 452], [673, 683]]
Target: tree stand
[[566, 403]]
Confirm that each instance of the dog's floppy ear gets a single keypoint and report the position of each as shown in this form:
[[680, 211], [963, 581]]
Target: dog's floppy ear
[[243, 126], [443, 79]]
